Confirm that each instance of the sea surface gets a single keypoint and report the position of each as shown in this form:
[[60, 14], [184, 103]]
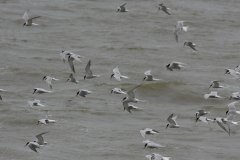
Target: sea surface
[[96, 127]]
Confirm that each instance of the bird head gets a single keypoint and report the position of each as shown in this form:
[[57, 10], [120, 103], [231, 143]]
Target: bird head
[[124, 98], [211, 85], [85, 77], [145, 146], [118, 10], [197, 119], [184, 44], [77, 93], [24, 24], [227, 112], [26, 144], [45, 77], [144, 78], [34, 91], [167, 126], [112, 76], [111, 91]]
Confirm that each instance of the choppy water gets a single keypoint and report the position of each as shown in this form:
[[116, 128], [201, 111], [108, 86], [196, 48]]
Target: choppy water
[[96, 127]]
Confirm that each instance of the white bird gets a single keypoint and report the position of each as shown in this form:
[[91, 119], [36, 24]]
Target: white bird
[[83, 92], [150, 144], [232, 73], [190, 44], [28, 21], [40, 140], [117, 91], [163, 8], [89, 74], [231, 114], [128, 107], [175, 65], [68, 53], [117, 75], [71, 58], [35, 103], [40, 90], [235, 96], [131, 95], [180, 25], [122, 8], [175, 31], [220, 123], [72, 79], [204, 119], [149, 77], [32, 146], [172, 122], [212, 95], [201, 113], [49, 80], [45, 121], [148, 131], [155, 156]]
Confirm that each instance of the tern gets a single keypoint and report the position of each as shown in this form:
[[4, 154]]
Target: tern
[[148, 131], [40, 90], [175, 65], [49, 80], [72, 79], [172, 122], [150, 144], [163, 8], [128, 107], [89, 72], [215, 84], [201, 113], [45, 121], [117, 91], [232, 73], [220, 123], [117, 75], [204, 120], [190, 44], [40, 140], [68, 53], [235, 96], [155, 156], [149, 77], [212, 95], [232, 109], [71, 58], [83, 92], [35, 103], [122, 8], [131, 95], [180, 25], [32, 146], [28, 21]]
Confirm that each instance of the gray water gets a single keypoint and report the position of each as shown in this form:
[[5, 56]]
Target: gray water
[[96, 127]]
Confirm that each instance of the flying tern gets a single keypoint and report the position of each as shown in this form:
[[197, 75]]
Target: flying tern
[[149, 77], [117, 75], [190, 44], [172, 122], [35, 103], [63, 55], [72, 79], [40, 90], [131, 95], [33, 146], [163, 8], [45, 121], [89, 74], [83, 92], [117, 91], [49, 80], [148, 131], [150, 144], [122, 8], [28, 21], [204, 119], [175, 65], [235, 96], [155, 156], [212, 95]]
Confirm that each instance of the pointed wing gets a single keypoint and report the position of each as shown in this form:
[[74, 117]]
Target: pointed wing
[[165, 10], [180, 24], [32, 147], [117, 74], [125, 105], [30, 19], [192, 47], [49, 81], [25, 16], [123, 5], [232, 106], [222, 126], [143, 133], [231, 115], [40, 138], [76, 57], [206, 96], [87, 69], [70, 61], [147, 73], [215, 83], [175, 31], [170, 120], [131, 92]]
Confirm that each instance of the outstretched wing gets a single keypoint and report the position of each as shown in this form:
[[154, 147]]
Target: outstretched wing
[[87, 69]]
